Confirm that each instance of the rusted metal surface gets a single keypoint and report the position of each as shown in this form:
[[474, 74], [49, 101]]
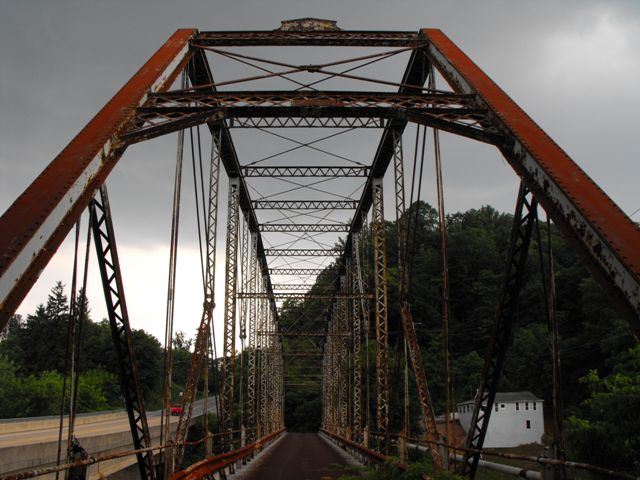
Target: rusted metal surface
[[168, 112], [603, 233], [381, 312], [343, 38], [35, 225], [309, 25]]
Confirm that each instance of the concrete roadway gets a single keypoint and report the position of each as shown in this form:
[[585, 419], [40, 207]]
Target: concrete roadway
[[32, 443], [95, 428]]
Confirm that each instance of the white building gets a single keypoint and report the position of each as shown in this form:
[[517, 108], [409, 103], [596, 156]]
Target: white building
[[516, 419]]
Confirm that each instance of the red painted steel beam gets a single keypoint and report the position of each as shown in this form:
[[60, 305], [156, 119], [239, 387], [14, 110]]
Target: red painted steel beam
[[35, 225], [603, 234]]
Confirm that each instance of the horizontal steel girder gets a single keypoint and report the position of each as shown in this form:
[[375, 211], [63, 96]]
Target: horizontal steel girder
[[295, 271], [291, 286], [450, 112], [339, 38], [302, 296], [311, 171], [304, 227], [605, 237], [305, 204], [306, 334], [306, 122], [35, 225], [302, 252]]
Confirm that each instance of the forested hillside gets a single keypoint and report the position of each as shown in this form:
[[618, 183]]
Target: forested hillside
[[32, 362], [600, 359]]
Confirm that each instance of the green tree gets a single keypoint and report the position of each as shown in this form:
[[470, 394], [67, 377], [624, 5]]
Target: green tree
[[604, 429]]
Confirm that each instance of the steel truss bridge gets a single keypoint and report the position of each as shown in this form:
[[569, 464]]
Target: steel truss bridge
[[262, 270]]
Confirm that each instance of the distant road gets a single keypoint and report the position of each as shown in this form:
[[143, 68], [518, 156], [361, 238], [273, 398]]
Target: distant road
[[95, 428]]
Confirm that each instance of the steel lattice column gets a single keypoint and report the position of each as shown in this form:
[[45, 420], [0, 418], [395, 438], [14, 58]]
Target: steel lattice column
[[251, 380], [357, 338], [382, 332], [524, 220], [264, 401], [245, 270], [398, 169], [230, 311]]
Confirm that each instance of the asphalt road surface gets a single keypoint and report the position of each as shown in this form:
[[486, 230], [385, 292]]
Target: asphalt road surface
[[297, 456], [116, 425]]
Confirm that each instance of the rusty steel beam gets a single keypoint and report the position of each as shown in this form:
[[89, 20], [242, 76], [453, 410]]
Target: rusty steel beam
[[604, 236], [338, 38], [166, 113], [295, 271], [34, 226], [305, 227]]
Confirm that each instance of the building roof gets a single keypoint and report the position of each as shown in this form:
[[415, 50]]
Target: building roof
[[510, 397]]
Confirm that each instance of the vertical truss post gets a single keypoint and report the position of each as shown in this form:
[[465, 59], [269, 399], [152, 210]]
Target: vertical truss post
[[363, 280], [335, 371], [398, 170], [382, 332], [251, 380], [271, 370], [343, 360], [230, 312], [206, 323], [264, 401], [245, 270], [524, 220], [280, 388], [357, 337], [109, 264]]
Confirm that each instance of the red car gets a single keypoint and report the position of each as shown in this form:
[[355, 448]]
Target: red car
[[176, 409]]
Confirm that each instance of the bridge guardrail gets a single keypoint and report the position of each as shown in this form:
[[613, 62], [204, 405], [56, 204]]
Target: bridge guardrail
[[219, 466]]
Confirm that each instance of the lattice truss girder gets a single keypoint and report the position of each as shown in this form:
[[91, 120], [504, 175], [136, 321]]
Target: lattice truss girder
[[168, 112]]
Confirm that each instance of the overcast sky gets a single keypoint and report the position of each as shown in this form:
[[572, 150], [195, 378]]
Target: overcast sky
[[573, 66]]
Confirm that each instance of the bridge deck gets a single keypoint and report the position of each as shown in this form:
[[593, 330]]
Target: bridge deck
[[298, 456]]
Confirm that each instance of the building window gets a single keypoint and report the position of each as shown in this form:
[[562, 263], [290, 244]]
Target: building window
[[517, 406], [503, 406], [496, 407], [526, 405], [528, 424], [534, 405]]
